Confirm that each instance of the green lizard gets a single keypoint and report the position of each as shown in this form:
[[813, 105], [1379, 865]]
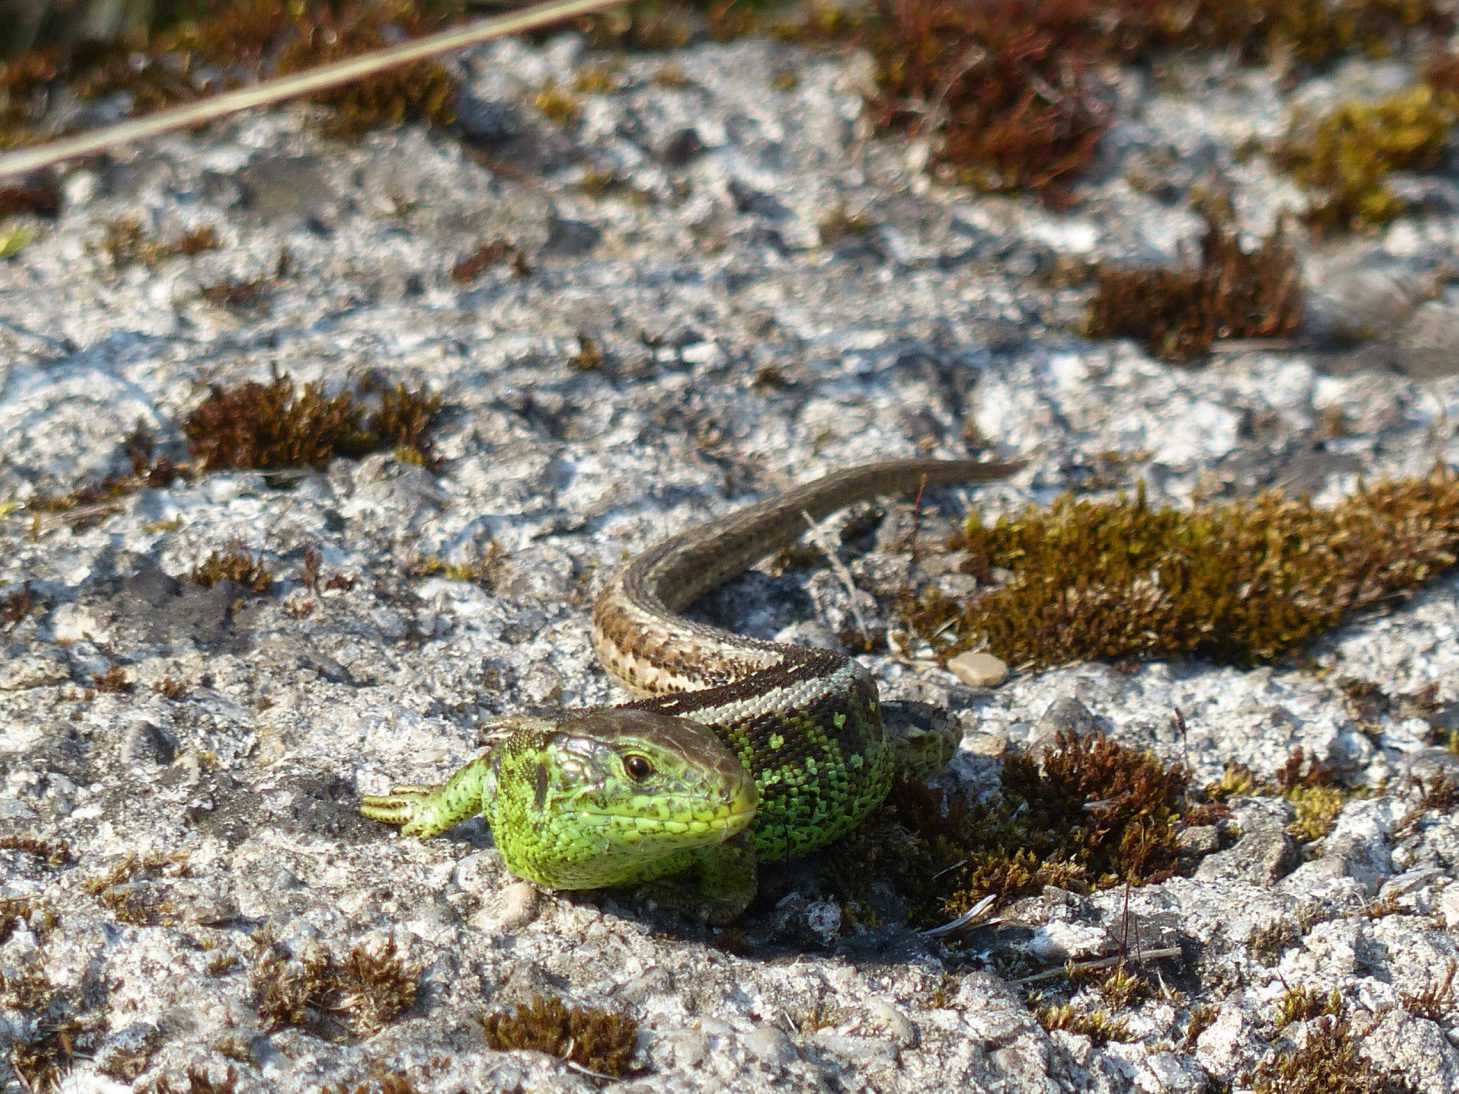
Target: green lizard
[[744, 750]]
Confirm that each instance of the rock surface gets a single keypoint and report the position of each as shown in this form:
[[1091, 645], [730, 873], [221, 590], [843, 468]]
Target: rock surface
[[684, 342]]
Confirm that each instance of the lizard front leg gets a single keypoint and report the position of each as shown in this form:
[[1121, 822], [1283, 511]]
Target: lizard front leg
[[427, 811]]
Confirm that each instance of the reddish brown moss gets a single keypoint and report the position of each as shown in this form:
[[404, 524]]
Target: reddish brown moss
[[276, 425], [1004, 88], [317, 992], [946, 855], [148, 470], [1241, 582], [422, 92], [493, 252], [128, 243], [16, 605], [114, 679], [599, 1040], [1179, 313], [1007, 88], [38, 197]]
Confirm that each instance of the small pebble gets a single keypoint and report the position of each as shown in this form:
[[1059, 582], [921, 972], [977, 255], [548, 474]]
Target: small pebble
[[978, 670], [520, 903]]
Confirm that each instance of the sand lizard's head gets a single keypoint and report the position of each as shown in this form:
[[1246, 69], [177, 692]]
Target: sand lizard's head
[[594, 798]]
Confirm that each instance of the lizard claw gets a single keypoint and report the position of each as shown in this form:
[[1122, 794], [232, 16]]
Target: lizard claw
[[408, 806]]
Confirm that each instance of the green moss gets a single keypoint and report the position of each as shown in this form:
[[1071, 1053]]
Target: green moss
[[1099, 1026], [1241, 582], [1180, 313], [1344, 158], [276, 425], [601, 1041], [1090, 814], [1313, 31], [484, 569], [1302, 1004], [557, 105]]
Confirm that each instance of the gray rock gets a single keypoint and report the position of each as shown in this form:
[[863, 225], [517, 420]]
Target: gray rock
[[1259, 858]]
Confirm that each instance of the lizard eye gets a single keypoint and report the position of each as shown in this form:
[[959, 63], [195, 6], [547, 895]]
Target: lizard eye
[[638, 767]]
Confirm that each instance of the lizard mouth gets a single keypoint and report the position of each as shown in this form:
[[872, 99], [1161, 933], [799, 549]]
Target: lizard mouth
[[698, 828]]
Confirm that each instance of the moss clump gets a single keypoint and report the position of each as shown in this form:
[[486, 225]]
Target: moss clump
[[276, 425], [114, 679], [217, 43], [235, 565], [1326, 1061], [494, 252], [1435, 1001], [1099, 1026], [1240, 583], [1311, 31], [54, 853], [248, 294], [1008, 89], [41, 197], [600, 1040], [16, 605], [132, 889], [1179, 313], [423, 91], [484, 568], [1004, 88], [196, 1080], [1092, 814], [672, 24], [42, 1061], [128, 244], [1345, 157], [1302, 1004], [148, 470], [317, 992]]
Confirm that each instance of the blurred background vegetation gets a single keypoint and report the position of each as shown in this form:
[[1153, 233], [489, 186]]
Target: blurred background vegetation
[[28, 23]]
